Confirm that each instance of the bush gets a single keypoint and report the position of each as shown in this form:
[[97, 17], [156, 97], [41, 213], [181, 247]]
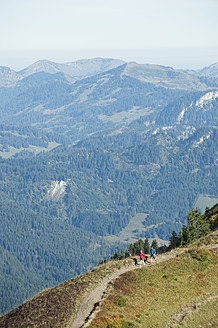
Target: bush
[[200, 254], [120, 301], [122, 324]]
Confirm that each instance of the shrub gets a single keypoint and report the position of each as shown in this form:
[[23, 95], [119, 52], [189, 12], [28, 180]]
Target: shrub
[[122, 324], [120, 301], [200, 254], [107, 322]]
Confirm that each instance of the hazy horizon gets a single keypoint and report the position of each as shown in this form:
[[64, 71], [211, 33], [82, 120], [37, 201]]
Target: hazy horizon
[[176, 58], [180, 34]]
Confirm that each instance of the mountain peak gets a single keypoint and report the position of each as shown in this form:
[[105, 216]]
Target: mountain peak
[[209, 71], [8, 76], [42, 65]]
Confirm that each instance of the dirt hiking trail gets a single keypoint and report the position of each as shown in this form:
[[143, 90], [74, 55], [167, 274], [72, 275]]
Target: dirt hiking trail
[[92, 303]]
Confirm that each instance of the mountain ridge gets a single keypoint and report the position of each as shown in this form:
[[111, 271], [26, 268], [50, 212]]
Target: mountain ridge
[[75, 70], [88, 67], [109, 99]]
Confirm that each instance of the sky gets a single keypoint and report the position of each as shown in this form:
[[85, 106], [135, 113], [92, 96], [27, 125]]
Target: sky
[[176, 33]]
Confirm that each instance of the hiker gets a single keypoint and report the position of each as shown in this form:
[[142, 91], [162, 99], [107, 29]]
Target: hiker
[[142, 257], [153, 254]]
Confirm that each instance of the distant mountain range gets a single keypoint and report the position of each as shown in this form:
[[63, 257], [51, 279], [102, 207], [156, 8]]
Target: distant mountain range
[[106, 98], [89, 67], [72, 70]]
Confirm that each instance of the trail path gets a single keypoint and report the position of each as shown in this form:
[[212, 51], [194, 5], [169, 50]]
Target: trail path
[[178, 317], [92, 303]]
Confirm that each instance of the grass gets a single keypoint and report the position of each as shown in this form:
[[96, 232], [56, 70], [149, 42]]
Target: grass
[[132, 232], [205, 316], [34, 149], [154, 294]]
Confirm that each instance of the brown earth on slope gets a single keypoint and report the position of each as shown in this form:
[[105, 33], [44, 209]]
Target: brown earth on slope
[[57, 306]]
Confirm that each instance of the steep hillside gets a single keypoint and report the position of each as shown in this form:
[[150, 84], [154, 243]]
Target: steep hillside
[[130, 296], [198, 109], [210, 71]]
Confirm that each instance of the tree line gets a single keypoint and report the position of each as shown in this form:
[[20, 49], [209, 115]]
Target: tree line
[[198, 225]]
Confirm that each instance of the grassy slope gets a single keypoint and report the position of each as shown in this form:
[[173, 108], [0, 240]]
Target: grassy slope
[[205, 316], [146, 297], [150, 297]]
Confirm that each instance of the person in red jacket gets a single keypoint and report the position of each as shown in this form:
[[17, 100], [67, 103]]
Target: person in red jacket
[[142, 257]]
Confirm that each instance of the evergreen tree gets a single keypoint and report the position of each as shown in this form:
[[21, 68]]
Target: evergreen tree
[[120, 255], [174, 240], [131, 249], [126, 253], [192, 224], [185, 236], [197, 226], [203, 226], [146, 246], [138, 246], [154, 244]]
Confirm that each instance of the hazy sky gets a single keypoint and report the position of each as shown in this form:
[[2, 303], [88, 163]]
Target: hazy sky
[[179, 33]]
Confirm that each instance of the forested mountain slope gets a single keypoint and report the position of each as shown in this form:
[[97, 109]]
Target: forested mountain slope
[[80, 160], [107, 100], [57, 205]]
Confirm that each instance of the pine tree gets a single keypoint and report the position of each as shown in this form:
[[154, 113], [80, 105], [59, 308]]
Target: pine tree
[[120, 255], [139, 246], [126, 253], [154, 244], [184, 236], [197, 226], [174, 240], [131, 249], [192, 224], [146, 246]]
